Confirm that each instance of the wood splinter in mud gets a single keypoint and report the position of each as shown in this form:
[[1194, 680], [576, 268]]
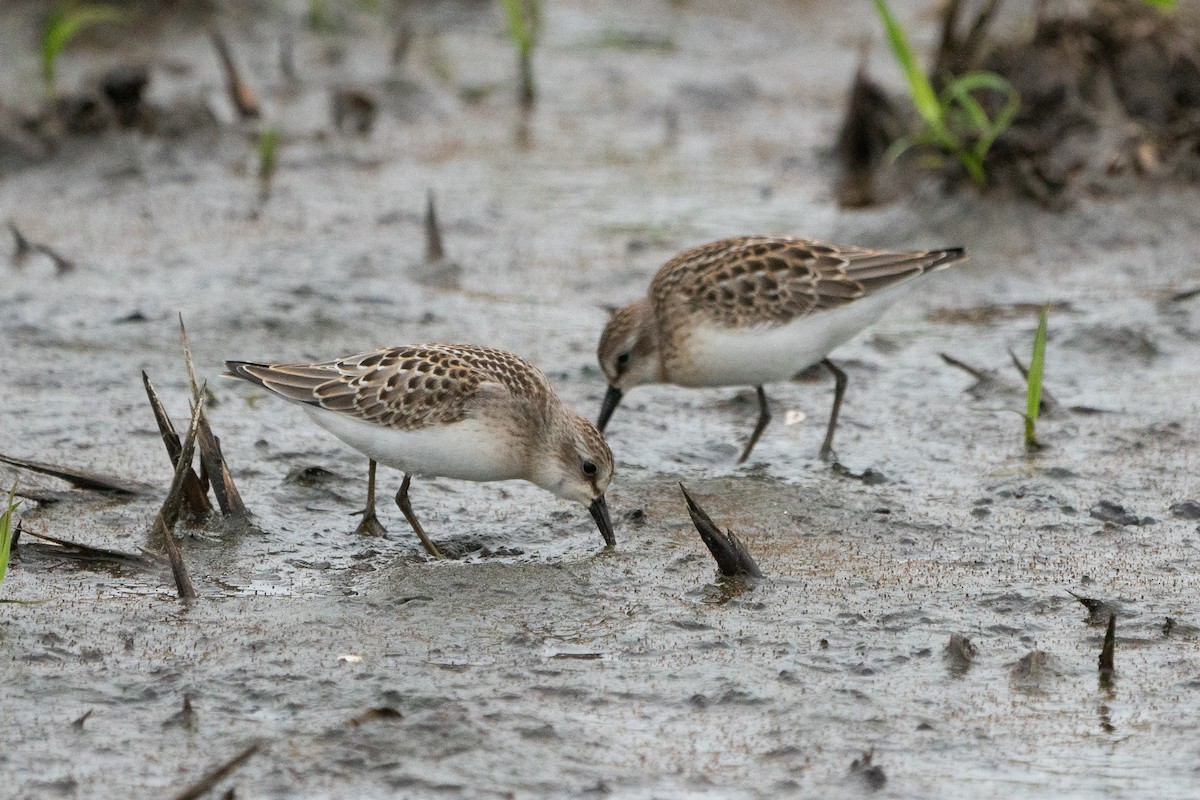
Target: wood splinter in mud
[[69, 549], [240, 93], [1107, 667], [960, 55], [868, 129], [732, 557], [216, 775], [1096, 608], [212, 461], [433, 233], [170, 509], [25, 248], [439, 272], [79, 478], [195, 493], [982, 376]]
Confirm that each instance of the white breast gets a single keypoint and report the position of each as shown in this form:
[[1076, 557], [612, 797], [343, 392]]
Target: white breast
[[716, 356], [470, 450]]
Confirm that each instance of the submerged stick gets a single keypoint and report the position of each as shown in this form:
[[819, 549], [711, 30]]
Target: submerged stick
[[215, 776], [79, 478], [240, 94], [195, 493], [731, 555], [170, 510]]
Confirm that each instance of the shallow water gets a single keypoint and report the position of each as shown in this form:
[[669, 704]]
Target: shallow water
[[539, 665]]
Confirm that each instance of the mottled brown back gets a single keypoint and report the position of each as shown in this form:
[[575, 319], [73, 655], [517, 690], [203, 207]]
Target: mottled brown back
[[404, 387], [758, 280]]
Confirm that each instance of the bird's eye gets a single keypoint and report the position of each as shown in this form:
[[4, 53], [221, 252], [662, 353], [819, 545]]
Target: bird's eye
[[622, 360], [589, 468]]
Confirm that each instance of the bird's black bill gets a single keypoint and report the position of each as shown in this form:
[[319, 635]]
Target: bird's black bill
[[599, 510], [611, 401]]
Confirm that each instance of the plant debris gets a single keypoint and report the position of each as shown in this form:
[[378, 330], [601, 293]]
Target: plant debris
[[216, 775], [732, 557], [959, 655], [79, 478], [211, 459], [25, 248], [169, 512], [185, 717], [1107, 652], [195, 493], [1098, 610], [871, 124], [241, 95], [87, 552]]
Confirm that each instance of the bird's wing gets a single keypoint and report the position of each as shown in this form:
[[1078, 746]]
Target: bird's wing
[[764, 280], [406, 388]]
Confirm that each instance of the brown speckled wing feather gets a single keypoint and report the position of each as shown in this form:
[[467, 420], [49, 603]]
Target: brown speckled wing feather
[[403, 387], [765, 280]]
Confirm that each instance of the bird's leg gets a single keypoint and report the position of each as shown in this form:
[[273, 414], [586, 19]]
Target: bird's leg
[[764, 416], [839, 391], [370, 526], [402, 501]]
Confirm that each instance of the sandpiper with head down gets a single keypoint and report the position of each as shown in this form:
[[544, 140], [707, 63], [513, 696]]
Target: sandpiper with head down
[[452, 411], [751, 310]]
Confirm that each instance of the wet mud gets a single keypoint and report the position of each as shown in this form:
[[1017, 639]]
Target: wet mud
[[914, 634]]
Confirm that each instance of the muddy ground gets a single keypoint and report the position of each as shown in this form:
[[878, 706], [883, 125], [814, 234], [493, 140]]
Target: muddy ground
[[540, 665]]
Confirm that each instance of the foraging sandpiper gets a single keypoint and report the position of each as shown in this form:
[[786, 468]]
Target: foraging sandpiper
[[751, 310], [452, 411]]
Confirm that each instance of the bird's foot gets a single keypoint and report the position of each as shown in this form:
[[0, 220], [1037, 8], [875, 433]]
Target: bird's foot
[[370, 524]]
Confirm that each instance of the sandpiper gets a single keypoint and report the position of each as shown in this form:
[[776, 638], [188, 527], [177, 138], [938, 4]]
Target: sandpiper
[[452, 411], [751, 310]]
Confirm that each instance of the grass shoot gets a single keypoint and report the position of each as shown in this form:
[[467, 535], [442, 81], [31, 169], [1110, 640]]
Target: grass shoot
[[62, 25], [524, 28], [6, 530], [1033, 386], [955, 122], [267, 146]]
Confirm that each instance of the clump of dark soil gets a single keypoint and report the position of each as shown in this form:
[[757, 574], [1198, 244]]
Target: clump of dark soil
[[1109, 99]]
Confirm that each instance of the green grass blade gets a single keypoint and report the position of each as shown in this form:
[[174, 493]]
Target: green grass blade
[[62, 25], [897, 149], [520, 30], [957, 92], [268, 153], [924, 99], [6, 531], [1163, 4], [1033, 389], [974, 166], [974, 81]]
